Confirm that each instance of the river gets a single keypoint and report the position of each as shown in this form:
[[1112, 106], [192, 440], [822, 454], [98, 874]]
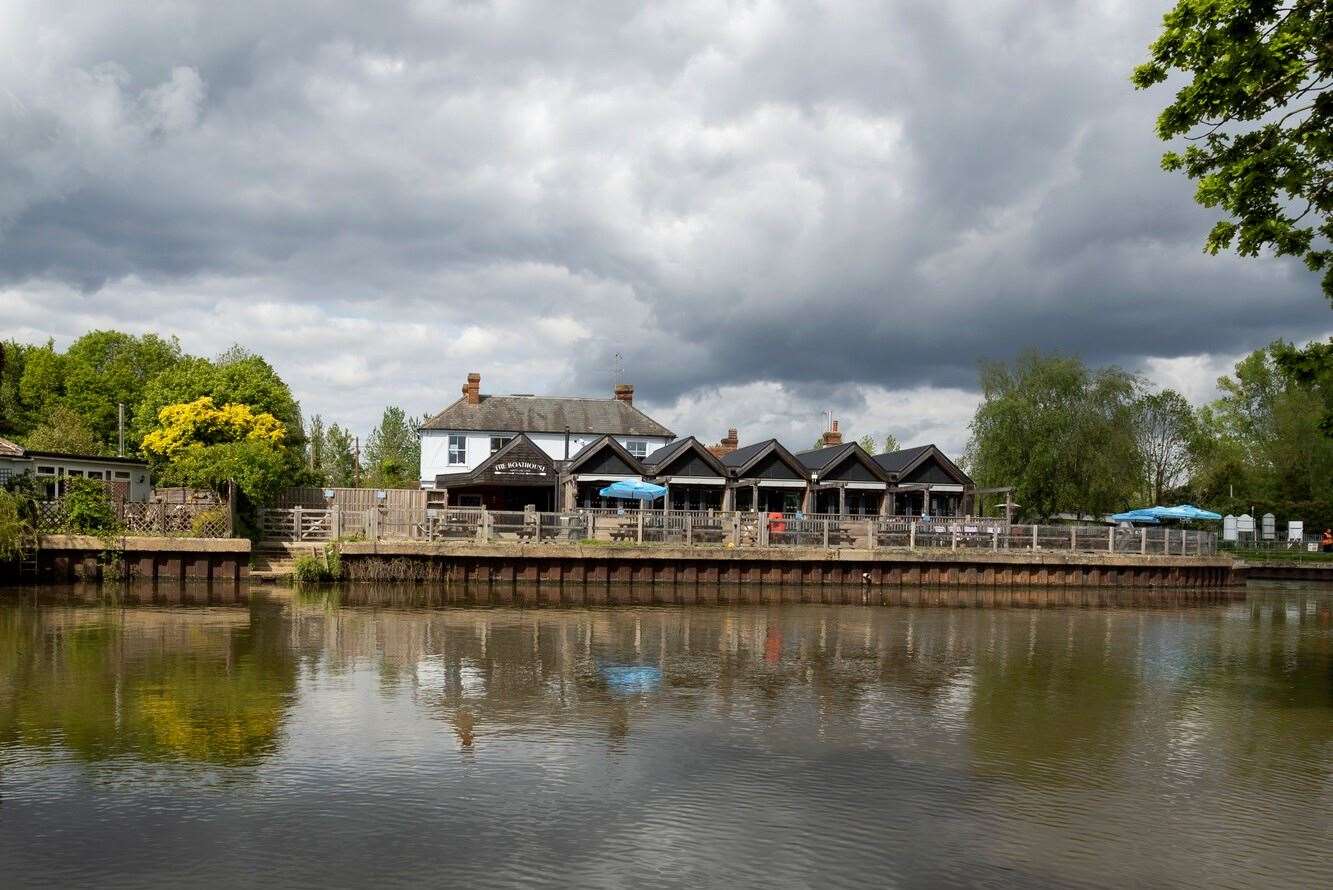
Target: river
[[334, 739]]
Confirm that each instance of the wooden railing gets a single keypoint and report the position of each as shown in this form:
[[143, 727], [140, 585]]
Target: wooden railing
[[711, 528]]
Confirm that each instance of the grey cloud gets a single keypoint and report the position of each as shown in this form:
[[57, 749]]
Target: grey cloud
[[822, 197]]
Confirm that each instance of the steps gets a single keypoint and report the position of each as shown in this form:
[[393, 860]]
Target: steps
[[272, 560]]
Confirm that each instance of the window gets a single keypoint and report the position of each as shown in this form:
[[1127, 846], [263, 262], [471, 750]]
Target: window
[[457, 449], [637, 447], [122, 474], [94, 474], [498, 442], [78, 473], [46, 471]]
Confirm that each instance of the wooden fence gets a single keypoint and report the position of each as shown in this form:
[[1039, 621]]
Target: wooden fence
[[710, 528], [352, 498]]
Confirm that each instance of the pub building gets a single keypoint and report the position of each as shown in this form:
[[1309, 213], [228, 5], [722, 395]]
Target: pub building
[[925, 482], [768, 478], [517, 476], [693, 477], [596, 466], [845, 478]]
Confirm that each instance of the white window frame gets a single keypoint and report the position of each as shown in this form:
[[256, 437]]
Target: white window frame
[[640, 444], [503, 440], [122, 474], [459, 441], [46, 471]]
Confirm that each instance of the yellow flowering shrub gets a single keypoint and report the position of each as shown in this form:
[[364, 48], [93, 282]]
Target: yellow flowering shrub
[[201, 423]]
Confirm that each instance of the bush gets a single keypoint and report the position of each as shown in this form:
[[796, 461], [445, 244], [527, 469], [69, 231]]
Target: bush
[[12, 525], [209, 524], [88, 507], [309, 569]]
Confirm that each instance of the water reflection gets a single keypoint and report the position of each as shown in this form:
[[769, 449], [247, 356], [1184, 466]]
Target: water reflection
[[158, 684], [386, 729]]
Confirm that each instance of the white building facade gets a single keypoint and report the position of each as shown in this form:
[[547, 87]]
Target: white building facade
[[464, 435]]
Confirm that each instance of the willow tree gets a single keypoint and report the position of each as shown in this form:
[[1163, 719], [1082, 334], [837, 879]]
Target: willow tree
[[1254, 109], [1064, 436]]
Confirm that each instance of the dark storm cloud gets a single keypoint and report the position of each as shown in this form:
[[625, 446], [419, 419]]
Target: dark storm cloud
[[839, 200]]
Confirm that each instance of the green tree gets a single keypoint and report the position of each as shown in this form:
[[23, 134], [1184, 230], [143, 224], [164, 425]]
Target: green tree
[[242, 379], [891, 443], [1062, 435], [867, 442], [338, 458], [1254, 107], [1167, 433], [261, 470], [1267, 424], [63, 430], [393, 451], [1313, 367], [103, 369]]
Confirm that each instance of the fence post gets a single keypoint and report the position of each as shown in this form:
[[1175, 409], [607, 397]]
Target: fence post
[[162, 518], [872, 532], [1143, 542], [689, 529], [735, 529], [825, 534], [911, 535], [995, 539], [953, 538], [1034, 538], [1110, 540], [337, 522], [640, 531], [297, 531], [537, 528], [1073, 537]]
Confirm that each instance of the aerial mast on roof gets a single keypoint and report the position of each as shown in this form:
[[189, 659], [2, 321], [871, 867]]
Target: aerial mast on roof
[[619, 369]]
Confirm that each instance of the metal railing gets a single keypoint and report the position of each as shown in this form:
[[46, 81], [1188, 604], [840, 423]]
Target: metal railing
[[706, 528]]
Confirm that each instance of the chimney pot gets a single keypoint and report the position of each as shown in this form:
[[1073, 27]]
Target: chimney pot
[[625, 393], [832, 436], [472, 389]]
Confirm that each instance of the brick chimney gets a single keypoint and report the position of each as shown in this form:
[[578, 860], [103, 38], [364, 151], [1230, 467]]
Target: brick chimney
[[729, 444], [625, 393], [472, 389], [832, 436]]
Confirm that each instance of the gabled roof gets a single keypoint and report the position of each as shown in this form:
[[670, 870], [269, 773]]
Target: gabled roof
[[742, 459], [897, 461], [10, 449], [528, 451], [823, 460], [589, 451], [540, 414], [902, 462], [667, 454]]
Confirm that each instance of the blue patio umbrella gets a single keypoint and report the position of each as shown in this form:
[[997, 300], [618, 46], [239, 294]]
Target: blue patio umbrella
[[1144, 516], [1187, 512], [633, 489]]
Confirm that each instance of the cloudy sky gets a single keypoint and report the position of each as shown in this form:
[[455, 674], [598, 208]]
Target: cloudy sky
[[766, 209]]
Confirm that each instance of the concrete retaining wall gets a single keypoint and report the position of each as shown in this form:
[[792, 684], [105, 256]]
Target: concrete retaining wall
[[83, 557], [571, 564]]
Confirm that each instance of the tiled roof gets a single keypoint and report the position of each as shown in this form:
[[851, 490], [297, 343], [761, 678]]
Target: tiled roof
[[540, 414], [818, 458], [10, 449], [667, 452], [897, 461], [742, 456]]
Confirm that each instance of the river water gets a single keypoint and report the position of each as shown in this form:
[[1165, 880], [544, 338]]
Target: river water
[[350, 739]]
